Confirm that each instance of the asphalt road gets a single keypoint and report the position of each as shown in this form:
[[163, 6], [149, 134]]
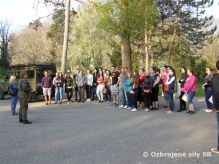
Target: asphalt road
[[92, 133]]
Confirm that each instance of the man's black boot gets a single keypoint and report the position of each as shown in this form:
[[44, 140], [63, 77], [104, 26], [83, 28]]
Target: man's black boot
[[27, 122]]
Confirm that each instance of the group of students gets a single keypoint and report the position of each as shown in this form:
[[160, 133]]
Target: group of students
[[128, 91], [135, 91], [122, 88]]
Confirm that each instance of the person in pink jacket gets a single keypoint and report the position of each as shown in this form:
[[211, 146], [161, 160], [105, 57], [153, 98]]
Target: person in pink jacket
[[190, 90]]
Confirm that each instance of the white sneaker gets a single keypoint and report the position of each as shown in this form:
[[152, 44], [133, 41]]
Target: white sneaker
[[214, 150], [126, 107], [209, 111], [169, 112], [121, 106], [134, 110], [206, 110], [129, 108], [147, 110]]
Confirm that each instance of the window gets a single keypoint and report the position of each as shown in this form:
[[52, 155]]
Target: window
[[30, 74]]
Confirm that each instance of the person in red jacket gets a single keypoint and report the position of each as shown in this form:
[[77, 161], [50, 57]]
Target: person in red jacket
[[190, 89], [142, 76]]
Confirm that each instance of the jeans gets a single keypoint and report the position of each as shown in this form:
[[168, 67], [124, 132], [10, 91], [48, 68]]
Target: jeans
[[217, 117], [58, 94], [191, 95], [108, 96], [93, 92], [124, 97], [129, 96], [13, 104], [208, 94], [81, 93], [171, 101]]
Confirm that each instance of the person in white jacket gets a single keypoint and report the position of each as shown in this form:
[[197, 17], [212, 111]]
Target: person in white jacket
[[88, 83]]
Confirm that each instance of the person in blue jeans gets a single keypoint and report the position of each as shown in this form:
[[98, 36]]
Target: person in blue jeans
[[128, 84], [58, 81], [123, 97], [171, 83], [215, 85], [207, 86], [14, 95]]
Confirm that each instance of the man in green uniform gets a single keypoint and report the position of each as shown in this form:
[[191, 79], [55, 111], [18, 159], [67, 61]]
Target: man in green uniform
[[24, 94]]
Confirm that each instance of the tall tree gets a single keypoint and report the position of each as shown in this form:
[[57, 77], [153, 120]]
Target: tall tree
[[183, 19], [126, 19], [89, 46], [6, 36]]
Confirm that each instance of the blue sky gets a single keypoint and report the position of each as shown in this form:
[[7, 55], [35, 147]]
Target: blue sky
[[20, 12]]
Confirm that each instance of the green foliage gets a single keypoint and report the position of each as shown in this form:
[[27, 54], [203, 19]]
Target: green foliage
[[89, 46], [55, 34], [115, 57], [210, 53], [182, 19], [177, 31], [138, 14], [57, 28]]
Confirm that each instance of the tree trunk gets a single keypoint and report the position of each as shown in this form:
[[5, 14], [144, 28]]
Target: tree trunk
[[151, 54], [172, 42], [126, 52], [146, 51], [125, 38], [66, 36]]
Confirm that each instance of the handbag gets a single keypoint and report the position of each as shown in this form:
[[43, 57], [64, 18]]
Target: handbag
[[105, 91], [185, 98], [166, 88], [12, 91]]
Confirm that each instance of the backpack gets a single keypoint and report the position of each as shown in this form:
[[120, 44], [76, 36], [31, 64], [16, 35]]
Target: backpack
[[12, 91]]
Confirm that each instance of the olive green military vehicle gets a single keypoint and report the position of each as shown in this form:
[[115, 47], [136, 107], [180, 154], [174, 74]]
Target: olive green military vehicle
[[35, 73]]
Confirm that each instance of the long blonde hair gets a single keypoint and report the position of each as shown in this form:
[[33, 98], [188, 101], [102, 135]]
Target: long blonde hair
[[12, 79]]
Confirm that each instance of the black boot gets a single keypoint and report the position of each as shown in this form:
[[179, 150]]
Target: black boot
[[20, 120], [183, 106], [27, 122]]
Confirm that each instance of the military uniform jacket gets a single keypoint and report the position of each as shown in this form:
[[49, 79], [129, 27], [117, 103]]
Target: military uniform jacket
[[24, 88]]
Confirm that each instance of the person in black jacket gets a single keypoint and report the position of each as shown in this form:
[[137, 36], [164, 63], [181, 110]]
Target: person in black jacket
[[215, 85], [207, 87], [68, 86], [147, 89], [182, 81]]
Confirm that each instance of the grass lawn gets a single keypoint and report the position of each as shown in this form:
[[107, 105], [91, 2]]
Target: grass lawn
[[199, 90]]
